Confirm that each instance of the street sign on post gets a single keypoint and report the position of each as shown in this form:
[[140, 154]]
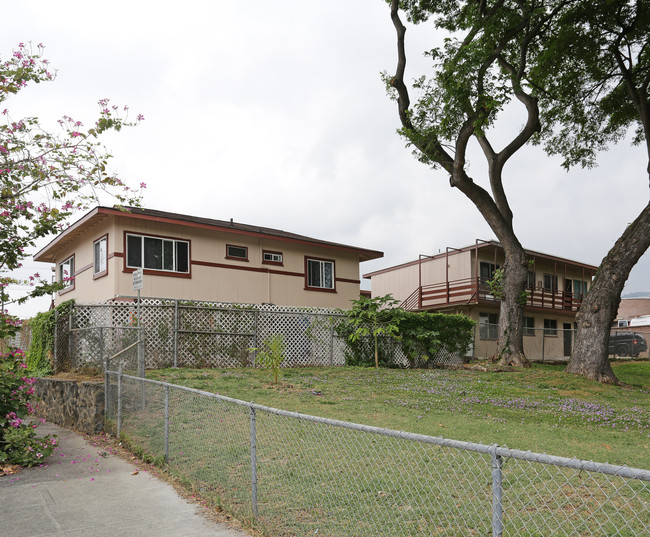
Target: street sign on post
[[138, 279], [138, 282]]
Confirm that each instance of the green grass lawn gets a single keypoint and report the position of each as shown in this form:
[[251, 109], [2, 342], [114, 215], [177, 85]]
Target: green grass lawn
[[540, 409]]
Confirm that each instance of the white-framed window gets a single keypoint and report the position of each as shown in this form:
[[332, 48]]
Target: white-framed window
[[66, 272], [100, 256], [320, 273], [529, 326], [157, 253], [488, 325], [274, 258], [236, 252], [550, 327]]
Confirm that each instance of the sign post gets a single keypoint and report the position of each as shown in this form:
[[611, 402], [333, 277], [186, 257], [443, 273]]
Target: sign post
[[138, 283]]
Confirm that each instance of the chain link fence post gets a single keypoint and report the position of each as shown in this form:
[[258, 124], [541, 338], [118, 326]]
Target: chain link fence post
[[141, 364], [107, 388], [253, 462], [119, 400], [497, 493], [166, 424]]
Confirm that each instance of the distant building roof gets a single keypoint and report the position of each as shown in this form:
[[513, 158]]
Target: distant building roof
[[480, 244]]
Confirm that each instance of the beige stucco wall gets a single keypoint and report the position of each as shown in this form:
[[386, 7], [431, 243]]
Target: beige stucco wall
[[404, 280], [213, 276], [539, 347]]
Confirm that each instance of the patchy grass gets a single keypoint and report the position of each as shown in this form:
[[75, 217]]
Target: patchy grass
[[541, 409]]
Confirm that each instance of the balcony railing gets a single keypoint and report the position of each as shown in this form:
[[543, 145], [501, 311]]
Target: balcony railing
[[474, 291]]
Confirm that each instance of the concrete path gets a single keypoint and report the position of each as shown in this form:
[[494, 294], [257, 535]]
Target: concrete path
[[79, 492]]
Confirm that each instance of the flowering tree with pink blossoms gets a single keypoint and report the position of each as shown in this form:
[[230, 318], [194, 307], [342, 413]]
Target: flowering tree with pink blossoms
[[47, 175]]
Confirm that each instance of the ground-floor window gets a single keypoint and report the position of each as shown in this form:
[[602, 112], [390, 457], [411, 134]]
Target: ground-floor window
[[550, 327], [529, 326], [488, 324], [320, 273]]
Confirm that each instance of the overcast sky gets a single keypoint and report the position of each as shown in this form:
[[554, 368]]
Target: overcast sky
[[274, 113]]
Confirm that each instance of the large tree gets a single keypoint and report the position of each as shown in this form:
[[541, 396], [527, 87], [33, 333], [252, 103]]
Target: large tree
[[581, 70], [594, 77], [478, 71], [45, 176]]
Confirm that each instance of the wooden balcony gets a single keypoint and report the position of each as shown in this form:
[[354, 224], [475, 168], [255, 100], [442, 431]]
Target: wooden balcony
[[473, 291]]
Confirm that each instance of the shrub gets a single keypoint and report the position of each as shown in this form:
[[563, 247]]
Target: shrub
[[376, 327], [18, 441], [271, 354], [41, 349], [423, 335]]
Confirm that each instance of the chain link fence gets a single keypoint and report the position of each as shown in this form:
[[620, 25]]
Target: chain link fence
[[204, 334], [292, 474]]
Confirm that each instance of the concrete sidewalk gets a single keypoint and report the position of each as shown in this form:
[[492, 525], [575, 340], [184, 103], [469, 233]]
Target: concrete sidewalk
[[84, 491]]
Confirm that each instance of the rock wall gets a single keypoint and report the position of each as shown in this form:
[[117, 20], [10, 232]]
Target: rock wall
[[70, 403]]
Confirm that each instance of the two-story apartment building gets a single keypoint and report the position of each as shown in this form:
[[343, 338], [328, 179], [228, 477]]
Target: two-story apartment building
[[456, 282], [192, 258]]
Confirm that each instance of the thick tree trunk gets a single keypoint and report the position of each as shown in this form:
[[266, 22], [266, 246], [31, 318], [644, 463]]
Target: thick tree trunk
[[494, 208], [510, 343], [590, 357]]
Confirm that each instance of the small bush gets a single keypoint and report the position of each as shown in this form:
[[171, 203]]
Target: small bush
[[18, 441], [271, 354]]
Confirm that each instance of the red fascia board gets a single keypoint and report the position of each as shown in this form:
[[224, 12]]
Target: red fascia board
[[364, 254]]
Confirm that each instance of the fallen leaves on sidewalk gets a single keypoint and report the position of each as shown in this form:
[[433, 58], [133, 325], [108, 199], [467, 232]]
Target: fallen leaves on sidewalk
[[9, 469]]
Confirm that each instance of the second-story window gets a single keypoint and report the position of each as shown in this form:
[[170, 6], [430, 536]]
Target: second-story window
[[320, 274], [66, 272], [530, 279], [487, 271], [272, 258], [100, 259], [236, 252], [550, 282], [156, 253]]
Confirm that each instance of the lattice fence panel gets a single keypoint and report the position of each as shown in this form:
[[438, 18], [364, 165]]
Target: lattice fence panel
[[159, 324], [208, 334], [216, 337]]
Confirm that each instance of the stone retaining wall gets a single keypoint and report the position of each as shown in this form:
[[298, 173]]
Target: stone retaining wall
[[70, 403]]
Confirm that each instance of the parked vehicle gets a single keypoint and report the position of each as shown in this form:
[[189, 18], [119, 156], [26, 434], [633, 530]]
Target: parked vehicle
[[627, 344]]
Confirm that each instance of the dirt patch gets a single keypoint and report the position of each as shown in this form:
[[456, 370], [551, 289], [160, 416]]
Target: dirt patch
[[80, 376]]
